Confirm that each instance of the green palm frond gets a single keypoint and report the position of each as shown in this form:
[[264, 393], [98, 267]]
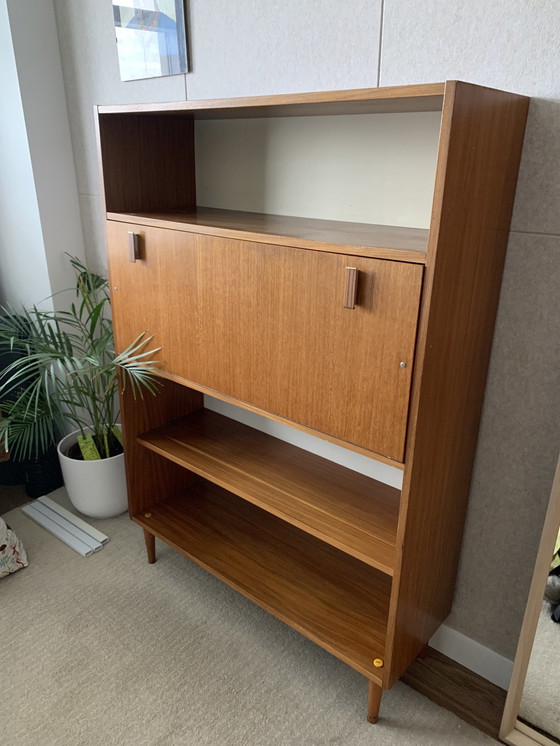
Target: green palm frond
[[63, 368]]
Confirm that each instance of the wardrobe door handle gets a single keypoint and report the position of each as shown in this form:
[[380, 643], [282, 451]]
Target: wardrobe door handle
[[133, 246], [351, 287]]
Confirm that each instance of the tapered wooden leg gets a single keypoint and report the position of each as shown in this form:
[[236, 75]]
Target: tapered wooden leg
[[374, 701], [150, 540]]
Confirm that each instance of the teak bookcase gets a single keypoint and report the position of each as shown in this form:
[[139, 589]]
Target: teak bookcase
[[374, 337]]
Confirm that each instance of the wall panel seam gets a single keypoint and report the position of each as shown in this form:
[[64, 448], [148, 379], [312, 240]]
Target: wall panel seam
[[382, 10], [535, 233]]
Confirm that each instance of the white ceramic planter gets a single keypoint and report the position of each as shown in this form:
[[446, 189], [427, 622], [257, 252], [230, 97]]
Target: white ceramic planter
[[95, 488]]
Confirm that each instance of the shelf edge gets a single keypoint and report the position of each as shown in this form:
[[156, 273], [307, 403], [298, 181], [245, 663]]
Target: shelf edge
[[343, 547], [351, 95], [334, 247]]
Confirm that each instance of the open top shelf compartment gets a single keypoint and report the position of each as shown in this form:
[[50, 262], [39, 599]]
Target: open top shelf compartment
[[201, 173], [331, 598], [350, 511]]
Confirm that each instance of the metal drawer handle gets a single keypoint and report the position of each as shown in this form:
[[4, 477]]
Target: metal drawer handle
[[351, 287], [133, 246]]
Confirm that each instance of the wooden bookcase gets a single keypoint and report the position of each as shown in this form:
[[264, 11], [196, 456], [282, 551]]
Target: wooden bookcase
[[375, 337]]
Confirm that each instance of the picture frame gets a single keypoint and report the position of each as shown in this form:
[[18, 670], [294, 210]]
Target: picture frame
[[151, 38]]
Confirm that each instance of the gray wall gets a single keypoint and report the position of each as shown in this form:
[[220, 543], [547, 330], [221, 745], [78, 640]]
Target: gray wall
[[39, 213], [21, 240], [265, 46]]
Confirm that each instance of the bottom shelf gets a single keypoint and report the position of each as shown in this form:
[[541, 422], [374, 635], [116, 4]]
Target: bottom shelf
[[328, 596]]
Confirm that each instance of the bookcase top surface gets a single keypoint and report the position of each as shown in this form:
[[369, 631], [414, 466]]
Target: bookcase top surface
[[426, 97]]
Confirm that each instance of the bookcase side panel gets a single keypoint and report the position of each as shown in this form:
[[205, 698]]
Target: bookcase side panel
[[481, 141]]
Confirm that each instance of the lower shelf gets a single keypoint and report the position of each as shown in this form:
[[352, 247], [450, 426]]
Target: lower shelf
[[350, 511], [331, 598]]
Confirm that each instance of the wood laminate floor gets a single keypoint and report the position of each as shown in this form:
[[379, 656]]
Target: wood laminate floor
[[472, 698]]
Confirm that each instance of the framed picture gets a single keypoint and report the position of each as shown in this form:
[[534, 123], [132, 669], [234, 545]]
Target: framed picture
[[151, 38]]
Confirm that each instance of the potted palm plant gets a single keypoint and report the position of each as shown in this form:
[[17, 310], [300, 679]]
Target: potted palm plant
[[66, 373], [38, 471]]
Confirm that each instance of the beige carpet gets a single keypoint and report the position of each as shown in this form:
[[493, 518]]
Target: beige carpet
[[540, 703], [110, 650]]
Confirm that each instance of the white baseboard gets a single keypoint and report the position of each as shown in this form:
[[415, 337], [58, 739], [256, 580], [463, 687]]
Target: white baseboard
[[471, 654]]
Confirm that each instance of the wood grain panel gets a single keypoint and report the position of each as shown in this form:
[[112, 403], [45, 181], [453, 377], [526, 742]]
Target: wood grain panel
[[331, 598], [347, 510], [138, 296], [360, 239], [481, 140], [147, 162], [352, 101], [266, 325]]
